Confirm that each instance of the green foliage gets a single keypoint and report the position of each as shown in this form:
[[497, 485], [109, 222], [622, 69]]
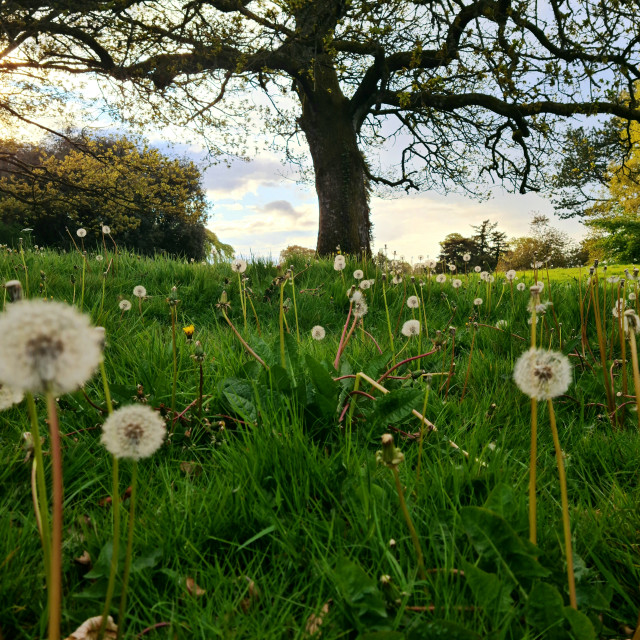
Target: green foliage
[[151, 202], [266, 491]]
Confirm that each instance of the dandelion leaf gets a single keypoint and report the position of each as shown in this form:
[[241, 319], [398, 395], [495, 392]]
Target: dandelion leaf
[[499, 545]]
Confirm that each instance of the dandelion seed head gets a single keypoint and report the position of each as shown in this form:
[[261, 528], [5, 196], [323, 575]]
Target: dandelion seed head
[[318, 332], [106, 229], [619, 307], [133, 432], [365, 284], [339, 263], [358, 274], [510, 275], [441, 278], [124, 305], [542, 374], [355, 296], [81, 233], [452, 267], [632, 296], [630, 321], [413, 302], [360, 308], [477, 302], [46, 345], [99, 258], [411, 328], [466, 257], [139, 291], [456, 283], [430, 263], [521, 286], [484, 275], [477, 269], [239, 265]]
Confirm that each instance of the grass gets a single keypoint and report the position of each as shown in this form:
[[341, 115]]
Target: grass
[[274, 512]]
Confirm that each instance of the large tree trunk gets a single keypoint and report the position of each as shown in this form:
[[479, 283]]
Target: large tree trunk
[[341, 182]]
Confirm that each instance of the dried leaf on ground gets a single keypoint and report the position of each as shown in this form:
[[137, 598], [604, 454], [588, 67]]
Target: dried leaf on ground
[[253, 595], [190, 468], [193, 588], [314, 622], [84, 559], [88, 630]]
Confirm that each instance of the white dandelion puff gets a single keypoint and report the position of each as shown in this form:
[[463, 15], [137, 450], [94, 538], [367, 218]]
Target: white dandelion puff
[[46, 346], [106, 229], [521, 286], [239, 265], [360, 309], [619, 307], [339, 262], [456, 283], [510, 275], [477, 269], [99, 258], [501, 324], [318, 332], [411, 328], [630, 321], [441, 278], [396, 279], [358, 274], [542, 374], [632, 296], [133, 432], [477, 302], [430, 263], [452, 267], [81, 233], [365, 284], [413, 302], [466, 257], [356, 296], [124, 305], [139, 291], [484, 275]]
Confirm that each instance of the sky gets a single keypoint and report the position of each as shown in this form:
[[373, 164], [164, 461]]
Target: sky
[[259, 209]]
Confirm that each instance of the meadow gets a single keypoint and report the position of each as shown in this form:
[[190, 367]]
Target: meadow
[[267, 513]]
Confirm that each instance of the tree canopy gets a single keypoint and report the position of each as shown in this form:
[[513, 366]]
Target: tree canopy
[[149, 201], [465, 92]]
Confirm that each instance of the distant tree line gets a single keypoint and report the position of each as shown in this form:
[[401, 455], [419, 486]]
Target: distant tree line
[[150, 202], [489, 248]]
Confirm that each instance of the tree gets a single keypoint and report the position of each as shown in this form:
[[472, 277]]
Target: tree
[[150, 201], [604, 189], [454, 246], [485, 247], [543, 244], [469, 90]]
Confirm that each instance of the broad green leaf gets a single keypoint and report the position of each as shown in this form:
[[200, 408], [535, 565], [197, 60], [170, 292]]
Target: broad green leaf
[[581, 626], [362, 597], [397, 404], [545, 611], [240, 395], [147, 561], [491, 592], [322, 380], [495, 540], [502, 500]]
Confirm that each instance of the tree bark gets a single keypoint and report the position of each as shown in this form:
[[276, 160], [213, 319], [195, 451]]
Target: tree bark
[[341, 181]]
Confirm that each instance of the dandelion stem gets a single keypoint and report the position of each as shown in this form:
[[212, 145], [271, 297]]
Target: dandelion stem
[[122, 610], [420, 446], [55, 591], [115, 505], [565, 507], [412, 529], [281, 325], [295, 307], [175, 360], [386, 308], [45, 531], [243, 342], [466, 377], [344, 331], [533, 461], [636, 371]]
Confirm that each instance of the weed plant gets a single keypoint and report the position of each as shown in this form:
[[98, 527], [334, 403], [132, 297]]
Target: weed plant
[[269, 518]]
